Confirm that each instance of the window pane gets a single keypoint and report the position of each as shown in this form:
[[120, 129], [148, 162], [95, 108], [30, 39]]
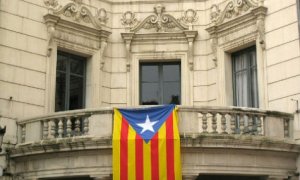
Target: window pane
[[245, 78], [242, 95], [150, 94], [61, 62], [171, 93], [60, 94], [76, 93], [77, 66], [171, 72], [149, 73], [254, 89]]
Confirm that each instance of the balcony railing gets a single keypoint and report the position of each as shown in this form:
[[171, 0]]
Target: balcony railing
[[192, 121]]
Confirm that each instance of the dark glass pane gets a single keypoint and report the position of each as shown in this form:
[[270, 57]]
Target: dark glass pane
[[240, 62], [76, 93], [61, 62], [241, 89], [253, 57], [149, 73], [60, 93], [77, 66], [171, 92], [150, 94], [171, 72], [245, 78]]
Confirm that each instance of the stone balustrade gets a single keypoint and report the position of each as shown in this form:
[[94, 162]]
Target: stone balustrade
[[192, 122]]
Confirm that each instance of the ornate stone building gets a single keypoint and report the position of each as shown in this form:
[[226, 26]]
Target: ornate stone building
[[232, 66]]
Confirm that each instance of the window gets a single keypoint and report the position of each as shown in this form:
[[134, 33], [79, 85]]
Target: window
[[70, 82], [160, 83], [245, 78]]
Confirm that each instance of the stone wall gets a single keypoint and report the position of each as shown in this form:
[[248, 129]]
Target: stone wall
[[24, 63]]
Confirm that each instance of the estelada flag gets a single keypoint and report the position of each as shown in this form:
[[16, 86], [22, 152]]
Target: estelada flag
[[146, 144]]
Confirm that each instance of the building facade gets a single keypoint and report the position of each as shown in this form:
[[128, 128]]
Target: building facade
[[231, 66]]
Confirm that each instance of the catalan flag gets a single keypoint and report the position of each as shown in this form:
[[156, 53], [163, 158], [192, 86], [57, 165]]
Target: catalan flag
[[146, 144]]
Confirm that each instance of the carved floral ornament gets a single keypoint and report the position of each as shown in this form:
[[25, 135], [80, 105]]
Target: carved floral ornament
[[160, 20], [166, 29], [78, 11], [73, 25], [246, 10]]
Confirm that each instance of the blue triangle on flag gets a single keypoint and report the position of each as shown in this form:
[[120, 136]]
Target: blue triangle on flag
[[147, 121]]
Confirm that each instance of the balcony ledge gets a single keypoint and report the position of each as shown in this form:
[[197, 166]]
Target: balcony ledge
[[188, 143]]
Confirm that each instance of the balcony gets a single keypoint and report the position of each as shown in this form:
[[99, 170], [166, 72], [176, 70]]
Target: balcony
[[214, 140]]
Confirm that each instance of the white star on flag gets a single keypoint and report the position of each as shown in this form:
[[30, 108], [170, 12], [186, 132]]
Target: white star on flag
[[147, 125]]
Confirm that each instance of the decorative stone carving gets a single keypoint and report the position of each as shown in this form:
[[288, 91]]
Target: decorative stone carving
[[160, 21], [241, 22], [129, 19], [189, 17], [78, 11], [51, 3], [166, 27], [102, 16], [232, 9]]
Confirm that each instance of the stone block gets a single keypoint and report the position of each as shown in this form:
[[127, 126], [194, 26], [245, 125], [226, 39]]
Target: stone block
[[119, 65], [118, 95], [106, 95], [283, 71], [35, 29], [283, 53], [37, 46], [284, 88], [281, 18], [100, 125], [281, 36], [188, 122], [10, 21], [200, 78], [273, 127], [200, 62], [36, 12], [118, 80], [13, 39], [277, 5], [22, 76], [35, 127], [200, 93]]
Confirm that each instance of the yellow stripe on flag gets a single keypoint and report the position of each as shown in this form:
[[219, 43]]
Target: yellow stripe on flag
[[116, 144], [177, 161], [131, 153], [162, 152], [147, 160]]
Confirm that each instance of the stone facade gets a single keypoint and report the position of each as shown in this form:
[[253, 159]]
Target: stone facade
[[115, 36]]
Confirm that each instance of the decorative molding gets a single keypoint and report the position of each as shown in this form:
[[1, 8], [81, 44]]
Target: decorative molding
[[78, 12], [51, 3], [166, 27], [239, 22], [160, 21], [128, 19], [189, 17], [232, 9]]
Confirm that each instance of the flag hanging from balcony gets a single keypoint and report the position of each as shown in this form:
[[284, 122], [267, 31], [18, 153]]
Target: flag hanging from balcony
[[146, 144]]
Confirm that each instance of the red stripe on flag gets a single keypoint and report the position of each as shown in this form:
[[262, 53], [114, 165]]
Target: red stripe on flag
[[124, 150], [170, 148], [139, 163], [154, 157]]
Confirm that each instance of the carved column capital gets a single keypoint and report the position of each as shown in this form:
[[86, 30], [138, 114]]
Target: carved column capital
[[191, 35], [128, 38], [51, 22]]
